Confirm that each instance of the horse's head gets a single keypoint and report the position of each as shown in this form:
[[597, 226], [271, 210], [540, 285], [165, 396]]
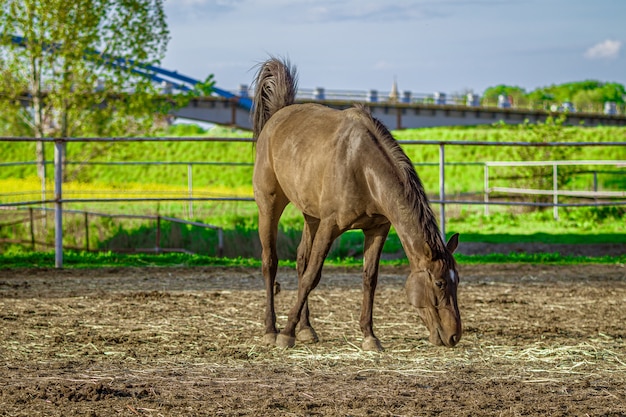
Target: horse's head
[[432, 289]]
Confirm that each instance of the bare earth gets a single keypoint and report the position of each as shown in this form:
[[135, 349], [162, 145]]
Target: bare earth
[[539, 340]]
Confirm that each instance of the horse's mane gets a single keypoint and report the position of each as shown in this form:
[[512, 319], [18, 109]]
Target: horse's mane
[[276, 84], [413, 188]]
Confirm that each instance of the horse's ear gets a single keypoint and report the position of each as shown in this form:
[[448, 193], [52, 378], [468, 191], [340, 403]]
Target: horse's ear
[[428, 252], [453, 243]]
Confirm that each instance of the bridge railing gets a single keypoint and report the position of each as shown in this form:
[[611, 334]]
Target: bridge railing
[[60, 198], [441, 98]]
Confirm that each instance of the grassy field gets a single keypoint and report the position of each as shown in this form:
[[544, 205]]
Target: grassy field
[[464, 176], [467, 178]]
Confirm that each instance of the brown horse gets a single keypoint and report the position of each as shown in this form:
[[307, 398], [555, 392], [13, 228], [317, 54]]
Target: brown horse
[[344, 170]]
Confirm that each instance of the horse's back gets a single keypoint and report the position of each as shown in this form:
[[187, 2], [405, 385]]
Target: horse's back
[[304, 139], [309, 121], [311, 129], [316, 156]]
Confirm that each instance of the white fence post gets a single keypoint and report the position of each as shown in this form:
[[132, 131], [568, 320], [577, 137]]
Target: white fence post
[[555, 189], [486, 193], [59, 151]]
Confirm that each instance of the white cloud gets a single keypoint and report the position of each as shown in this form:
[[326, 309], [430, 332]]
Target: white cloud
[[383, 65], [608, 49]]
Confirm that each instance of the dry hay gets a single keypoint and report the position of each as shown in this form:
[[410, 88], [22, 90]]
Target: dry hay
[[538, 341]]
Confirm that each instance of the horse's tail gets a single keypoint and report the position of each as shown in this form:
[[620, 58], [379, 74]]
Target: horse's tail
[[276, 86]]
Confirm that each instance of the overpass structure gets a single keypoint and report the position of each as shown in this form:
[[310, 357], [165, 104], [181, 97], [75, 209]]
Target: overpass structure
[[399, 112], [225, 111]]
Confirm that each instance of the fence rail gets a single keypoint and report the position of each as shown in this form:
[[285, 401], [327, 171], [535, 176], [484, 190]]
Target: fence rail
[[59, 199], [554, 192], [157, 246]]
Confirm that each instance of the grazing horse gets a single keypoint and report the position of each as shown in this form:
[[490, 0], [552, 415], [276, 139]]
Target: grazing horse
[[343, 170]]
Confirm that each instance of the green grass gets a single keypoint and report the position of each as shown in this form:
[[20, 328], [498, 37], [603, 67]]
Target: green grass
[[575, 226], [469, 178], [580, 225], [462, 178], [72, 259]]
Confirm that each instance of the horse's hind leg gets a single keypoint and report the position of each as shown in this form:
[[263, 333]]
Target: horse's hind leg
[[270, 210], [374, 242], [306, 333]]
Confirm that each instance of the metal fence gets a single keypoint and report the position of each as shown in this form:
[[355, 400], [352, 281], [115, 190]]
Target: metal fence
[[555, 192], [157, 248], [59, 199]]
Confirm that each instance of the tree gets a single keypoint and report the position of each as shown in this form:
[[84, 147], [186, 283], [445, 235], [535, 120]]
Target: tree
[[76, 65], [588, 95], [10, 104], [517, 94]]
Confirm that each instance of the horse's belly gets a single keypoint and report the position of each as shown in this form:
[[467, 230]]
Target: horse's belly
[[349, 210]]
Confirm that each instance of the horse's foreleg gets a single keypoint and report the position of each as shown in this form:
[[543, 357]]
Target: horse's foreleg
[[306, 333], [322, 241], [374, 242]]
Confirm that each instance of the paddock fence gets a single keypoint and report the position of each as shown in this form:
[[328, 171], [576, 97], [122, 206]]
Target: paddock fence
[[491, 195]]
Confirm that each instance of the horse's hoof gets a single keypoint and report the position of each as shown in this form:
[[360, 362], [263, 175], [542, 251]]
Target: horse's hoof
[[269, 339], [307, 335], [372, 344], [285, 341]]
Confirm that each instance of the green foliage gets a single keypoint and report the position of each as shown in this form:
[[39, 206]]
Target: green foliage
[[77, 259], [594, 91], [517, 94], [465, 178], [203, 89], [464, 172], [538, 258], [589, 95], [239, 220], [184, 130], [60, 69], [576, 225]]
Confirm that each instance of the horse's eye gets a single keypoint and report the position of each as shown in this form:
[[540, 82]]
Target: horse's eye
[[440, 284]]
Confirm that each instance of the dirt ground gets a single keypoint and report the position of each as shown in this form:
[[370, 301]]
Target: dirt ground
[[538, 340]]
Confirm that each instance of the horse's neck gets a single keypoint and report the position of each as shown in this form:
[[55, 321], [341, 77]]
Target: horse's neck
[[413, 232], [413, 241]]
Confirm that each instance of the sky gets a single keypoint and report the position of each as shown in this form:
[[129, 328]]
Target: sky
[[450, 46]]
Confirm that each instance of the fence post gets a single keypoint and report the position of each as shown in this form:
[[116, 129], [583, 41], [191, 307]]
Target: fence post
[[220, 242], [86, 232], [486, 193], [158, 235], [555, 190], [44, 196], [595, 185], [442, 190], [32, 228], [59, 151], [190, 189]]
